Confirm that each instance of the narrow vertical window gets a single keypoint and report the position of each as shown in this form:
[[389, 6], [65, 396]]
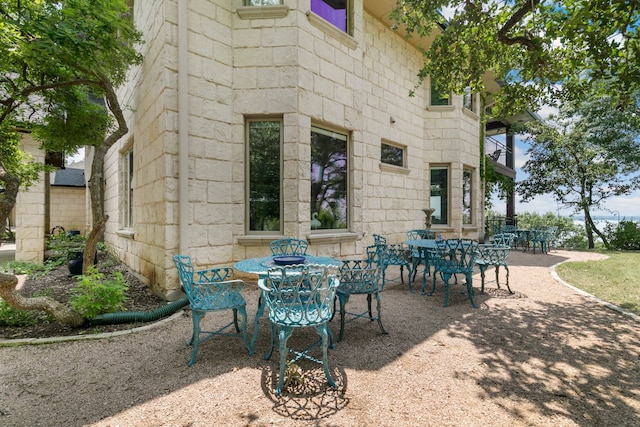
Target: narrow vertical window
[[467, 99], [440, 194], [264, 175], [467, 200], [127, 190], [329, 186]]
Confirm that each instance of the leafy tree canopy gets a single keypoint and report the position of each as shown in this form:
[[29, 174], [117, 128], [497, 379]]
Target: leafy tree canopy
[[583, 156], [540, 52]]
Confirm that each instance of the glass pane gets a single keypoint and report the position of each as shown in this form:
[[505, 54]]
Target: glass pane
[[264, 176], [466, 197], [328, 180], [334, 11], [392, 155], [439, 195], [438, 98], [468, 99]]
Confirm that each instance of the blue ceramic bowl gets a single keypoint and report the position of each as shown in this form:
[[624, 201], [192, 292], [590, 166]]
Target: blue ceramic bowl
[[288, 260]]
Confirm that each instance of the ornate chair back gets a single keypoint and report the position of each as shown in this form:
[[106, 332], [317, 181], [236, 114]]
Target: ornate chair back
[[288, 246]]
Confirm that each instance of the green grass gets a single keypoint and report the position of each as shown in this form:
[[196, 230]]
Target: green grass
[[615, 280]]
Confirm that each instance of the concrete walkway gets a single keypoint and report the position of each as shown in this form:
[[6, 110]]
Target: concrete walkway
[[7, 252]]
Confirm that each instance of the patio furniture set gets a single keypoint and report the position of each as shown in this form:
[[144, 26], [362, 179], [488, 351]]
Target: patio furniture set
[[301, 290]]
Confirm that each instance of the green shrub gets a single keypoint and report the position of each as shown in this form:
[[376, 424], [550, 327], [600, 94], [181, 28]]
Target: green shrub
[[96, 293], [11, 316], [31, 269], [624, 236]]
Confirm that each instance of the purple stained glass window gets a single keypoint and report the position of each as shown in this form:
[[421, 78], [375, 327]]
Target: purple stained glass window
[[334, 11]]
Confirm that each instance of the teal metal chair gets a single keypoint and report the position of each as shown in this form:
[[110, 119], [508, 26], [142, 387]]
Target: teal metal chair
[[361, 277], [452, 257], [416, 256], [209, 291], [502, 239], [288, 246], [300, 296], [538, 239], [496, 256], [394, 254]]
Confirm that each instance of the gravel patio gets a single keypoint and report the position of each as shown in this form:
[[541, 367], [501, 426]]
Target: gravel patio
[[545, 356]]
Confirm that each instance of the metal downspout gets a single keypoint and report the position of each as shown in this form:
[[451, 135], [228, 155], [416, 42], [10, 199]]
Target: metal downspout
[[183, 128]]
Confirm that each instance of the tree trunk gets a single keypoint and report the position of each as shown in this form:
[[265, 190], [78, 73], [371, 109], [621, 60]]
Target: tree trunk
[[11, 186], [59, 311]]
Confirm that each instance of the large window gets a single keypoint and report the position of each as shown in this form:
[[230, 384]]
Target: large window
[[333, 11], [440, 194], [264, 174], [467, 200], [329, 184], [127, 189]]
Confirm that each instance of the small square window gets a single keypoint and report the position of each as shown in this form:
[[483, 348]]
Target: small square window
[[392, 155], [437, 97]]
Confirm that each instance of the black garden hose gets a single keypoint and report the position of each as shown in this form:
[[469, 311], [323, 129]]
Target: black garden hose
[[139, 316]]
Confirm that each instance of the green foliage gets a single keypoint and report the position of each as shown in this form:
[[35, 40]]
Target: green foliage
[[540, 52], [582, 157], [31, 269], [60, 246], [625, 235], [570, 235], [11, 316], [15, 161], [97, 293]]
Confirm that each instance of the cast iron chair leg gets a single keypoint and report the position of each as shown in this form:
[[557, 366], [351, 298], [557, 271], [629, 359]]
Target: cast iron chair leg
[[508, 287], [245, 336], [274, 332], [379, 306], [369, 306], [344, 298], [195, 337], [445, 278], [482, 269], [283, 336], [235, 319], [322, 331], [470, 289]]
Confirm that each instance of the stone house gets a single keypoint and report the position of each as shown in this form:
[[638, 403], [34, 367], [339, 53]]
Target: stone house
[[251, 120]]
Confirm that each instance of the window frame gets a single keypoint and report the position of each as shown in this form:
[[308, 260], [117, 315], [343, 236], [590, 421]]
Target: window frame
[[248, 205], [468, 99], [435, 94], [260, 2], [438, 205], [348, 16], [403, 150], [127, 170], [467, 196], [346, 137]]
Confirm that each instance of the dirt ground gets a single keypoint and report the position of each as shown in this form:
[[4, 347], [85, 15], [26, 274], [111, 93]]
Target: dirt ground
[[545, 356]]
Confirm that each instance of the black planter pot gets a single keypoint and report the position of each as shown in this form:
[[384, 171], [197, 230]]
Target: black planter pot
[[75, 261]]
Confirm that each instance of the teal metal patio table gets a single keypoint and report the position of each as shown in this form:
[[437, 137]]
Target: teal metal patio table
[[424, 246], [260, 267]]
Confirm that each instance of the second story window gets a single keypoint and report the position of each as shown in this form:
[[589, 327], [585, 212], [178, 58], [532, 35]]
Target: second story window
[[438, 97], [333, 11], [263, 2]]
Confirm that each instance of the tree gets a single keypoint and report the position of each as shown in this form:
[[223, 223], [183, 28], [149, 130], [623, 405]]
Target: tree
[[582, 157], [540, 52], [54, 55]]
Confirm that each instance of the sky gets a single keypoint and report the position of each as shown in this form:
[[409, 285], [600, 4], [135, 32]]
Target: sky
[[627, 206]]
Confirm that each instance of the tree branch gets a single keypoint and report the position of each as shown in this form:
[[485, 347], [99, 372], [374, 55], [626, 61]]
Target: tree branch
[[527, 39]]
